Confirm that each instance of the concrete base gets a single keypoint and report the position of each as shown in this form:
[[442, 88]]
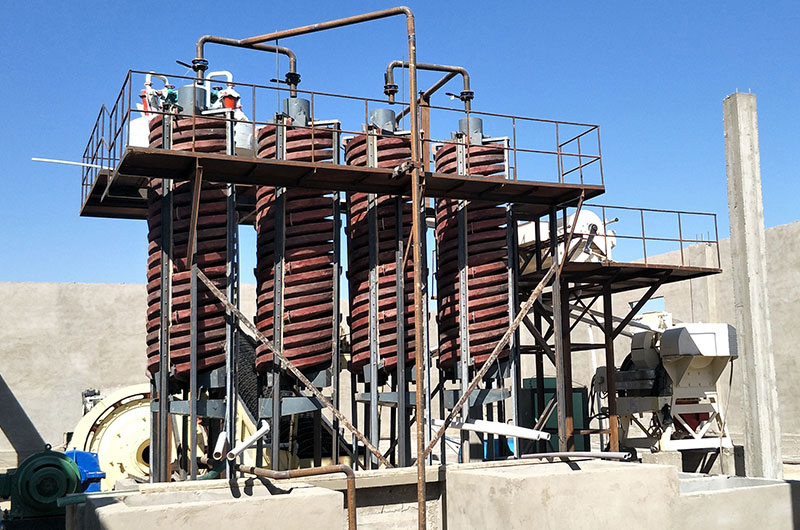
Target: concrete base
[[508, 495], [589, 494], [256, 505], [560, 495]]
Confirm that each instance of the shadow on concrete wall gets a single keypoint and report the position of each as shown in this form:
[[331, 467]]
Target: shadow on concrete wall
[[16, 425]]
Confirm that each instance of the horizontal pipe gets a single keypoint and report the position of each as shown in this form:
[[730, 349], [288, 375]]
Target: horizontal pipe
[[245, 444], [466, 95], [307, 472], [580, 454], [200, 64], [322, 26]]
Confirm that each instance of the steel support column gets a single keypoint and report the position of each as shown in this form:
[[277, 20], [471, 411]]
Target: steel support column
[[162, 437], [336, 339], [513, 303], [374, 337], [278, 274], [402, 414], [561, 390], [611, 378]]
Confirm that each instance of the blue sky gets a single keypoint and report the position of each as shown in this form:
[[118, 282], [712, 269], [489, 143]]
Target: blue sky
[[653, 77]]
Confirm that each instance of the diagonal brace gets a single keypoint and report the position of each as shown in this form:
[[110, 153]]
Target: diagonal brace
[[643, 300], [196, 190], [292, 368]]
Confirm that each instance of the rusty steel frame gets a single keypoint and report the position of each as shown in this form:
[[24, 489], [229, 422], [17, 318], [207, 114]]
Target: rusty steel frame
[[107, 142]]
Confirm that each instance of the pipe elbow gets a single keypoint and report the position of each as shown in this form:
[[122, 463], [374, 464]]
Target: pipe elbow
[[201, 44], [406, 11], [348, 471]]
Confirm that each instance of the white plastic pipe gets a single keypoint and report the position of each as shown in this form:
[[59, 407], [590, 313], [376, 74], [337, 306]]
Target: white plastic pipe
[[580, 454], [496, 427], [222, 73], [148, 79], [222, 444], [236, 451]]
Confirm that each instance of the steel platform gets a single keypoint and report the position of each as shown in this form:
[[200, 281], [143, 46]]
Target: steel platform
[[121, 193], [590, 277]]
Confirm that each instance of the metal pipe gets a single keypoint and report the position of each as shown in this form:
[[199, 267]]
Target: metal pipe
[[419, 323], [239, 449], [199, 64], [580, 454], [390, 88], [308, 472]]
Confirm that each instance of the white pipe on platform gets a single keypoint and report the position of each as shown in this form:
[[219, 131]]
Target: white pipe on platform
[[236, 451], [580, 454], [498, 428]]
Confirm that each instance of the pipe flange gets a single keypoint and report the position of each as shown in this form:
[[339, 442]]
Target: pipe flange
[[390, 89], [199, 65], [292, 78]]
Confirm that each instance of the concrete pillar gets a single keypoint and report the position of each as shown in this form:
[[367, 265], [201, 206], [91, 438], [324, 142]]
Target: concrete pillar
[[748, 253]]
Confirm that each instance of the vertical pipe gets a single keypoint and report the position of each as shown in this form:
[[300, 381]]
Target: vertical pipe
[[611, 378], [417, 212]]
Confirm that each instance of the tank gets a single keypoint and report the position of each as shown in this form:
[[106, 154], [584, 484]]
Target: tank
[[308, 318], [210, 137], [391, 152], [487, 254]]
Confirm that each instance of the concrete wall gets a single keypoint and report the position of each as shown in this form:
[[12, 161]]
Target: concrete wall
[[58, 339], [710, 299]]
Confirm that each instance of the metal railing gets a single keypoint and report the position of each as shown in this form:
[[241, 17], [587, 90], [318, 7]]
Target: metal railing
[[637, 235], [536, 149]]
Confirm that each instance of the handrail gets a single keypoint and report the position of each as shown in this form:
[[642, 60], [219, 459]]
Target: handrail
[[110, 135]]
